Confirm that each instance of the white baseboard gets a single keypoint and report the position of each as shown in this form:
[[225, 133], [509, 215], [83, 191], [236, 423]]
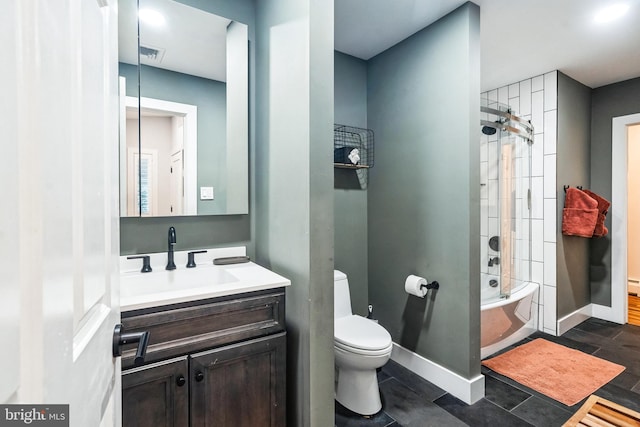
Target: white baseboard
[[574, 319], [469, 391]]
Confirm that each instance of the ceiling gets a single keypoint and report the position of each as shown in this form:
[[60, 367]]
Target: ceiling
[[190, 41], [519, 38]]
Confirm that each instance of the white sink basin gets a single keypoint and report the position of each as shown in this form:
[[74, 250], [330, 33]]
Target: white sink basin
[[136, 284], [161, 287]]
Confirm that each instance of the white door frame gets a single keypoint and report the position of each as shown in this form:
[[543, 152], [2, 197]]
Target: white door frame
[[190, 156], [618, 310]]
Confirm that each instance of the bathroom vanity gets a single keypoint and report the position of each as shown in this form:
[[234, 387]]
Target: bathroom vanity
[[216, 353]]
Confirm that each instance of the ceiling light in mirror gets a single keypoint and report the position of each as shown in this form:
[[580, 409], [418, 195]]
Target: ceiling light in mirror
[[151, 17], [611, 13]]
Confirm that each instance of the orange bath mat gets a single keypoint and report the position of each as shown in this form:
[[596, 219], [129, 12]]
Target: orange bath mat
[[554, 370]]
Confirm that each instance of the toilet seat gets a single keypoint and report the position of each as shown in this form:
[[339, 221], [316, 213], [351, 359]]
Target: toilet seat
[[359, 335]]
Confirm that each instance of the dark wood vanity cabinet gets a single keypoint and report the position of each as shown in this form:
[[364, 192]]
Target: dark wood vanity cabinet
[[240, 385], [156, 395], [218, 362]]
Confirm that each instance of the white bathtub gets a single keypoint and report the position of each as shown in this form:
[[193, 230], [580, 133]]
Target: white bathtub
[[505, 321]]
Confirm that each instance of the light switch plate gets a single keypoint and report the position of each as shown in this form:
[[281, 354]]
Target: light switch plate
[[206, 193]]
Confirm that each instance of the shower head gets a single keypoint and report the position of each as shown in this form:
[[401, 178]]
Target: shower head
[[488, 130]]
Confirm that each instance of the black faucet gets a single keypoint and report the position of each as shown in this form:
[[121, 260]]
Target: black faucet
[[172, 241], [494, 261]]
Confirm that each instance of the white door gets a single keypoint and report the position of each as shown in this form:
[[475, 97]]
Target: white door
[[59, 218], [176, 184]]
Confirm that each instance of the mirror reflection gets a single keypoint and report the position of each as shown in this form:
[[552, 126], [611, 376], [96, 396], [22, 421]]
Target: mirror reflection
[[184, 126]]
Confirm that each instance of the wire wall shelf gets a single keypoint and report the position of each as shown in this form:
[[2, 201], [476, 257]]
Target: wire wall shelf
[[352, 147]]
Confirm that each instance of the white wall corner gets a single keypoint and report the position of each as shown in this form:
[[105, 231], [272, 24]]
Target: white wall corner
[[573, 319], [467, 390]]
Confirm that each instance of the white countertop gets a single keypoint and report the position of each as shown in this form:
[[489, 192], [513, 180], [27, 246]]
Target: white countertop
[[161, 287]]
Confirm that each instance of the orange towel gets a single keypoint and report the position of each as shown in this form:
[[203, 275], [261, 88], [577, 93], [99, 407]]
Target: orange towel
[[580, 214], [603, 207]]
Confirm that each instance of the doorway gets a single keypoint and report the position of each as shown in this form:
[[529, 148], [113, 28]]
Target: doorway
[[622, 128], [633, 224]]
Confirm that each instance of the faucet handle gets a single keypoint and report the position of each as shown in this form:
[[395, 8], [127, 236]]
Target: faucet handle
[[190, 258], [146, 262]]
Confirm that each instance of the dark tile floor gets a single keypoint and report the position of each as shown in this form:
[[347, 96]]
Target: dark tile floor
[[410, 401]]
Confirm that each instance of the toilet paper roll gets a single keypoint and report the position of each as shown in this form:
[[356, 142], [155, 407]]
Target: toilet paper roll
[[413, 285]]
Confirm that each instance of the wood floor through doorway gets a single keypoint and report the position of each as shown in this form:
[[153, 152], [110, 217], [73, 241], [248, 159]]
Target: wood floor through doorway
[[634, 310]]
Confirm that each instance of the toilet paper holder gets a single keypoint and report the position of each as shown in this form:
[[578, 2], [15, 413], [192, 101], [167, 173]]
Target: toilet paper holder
[[432, 285]]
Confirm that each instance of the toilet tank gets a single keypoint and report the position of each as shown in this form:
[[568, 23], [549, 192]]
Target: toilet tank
[[341, 296]]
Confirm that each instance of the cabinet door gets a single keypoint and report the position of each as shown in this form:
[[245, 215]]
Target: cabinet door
[[156, 395], [241, 385]]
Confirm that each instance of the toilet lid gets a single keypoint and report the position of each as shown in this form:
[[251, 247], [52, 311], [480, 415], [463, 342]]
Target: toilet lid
[[361, 333]]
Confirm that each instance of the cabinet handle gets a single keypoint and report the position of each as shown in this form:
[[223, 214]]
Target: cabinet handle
[[180, 381], [199, 376]]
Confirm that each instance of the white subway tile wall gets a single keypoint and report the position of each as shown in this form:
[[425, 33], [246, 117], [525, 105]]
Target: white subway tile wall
[[532, 99]]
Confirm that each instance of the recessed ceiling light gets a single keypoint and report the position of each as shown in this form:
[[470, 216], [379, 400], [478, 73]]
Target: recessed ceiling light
[[611, 13], [151, 17]]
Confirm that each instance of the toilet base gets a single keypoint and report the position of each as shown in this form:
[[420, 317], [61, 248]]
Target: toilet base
[[358, 391]]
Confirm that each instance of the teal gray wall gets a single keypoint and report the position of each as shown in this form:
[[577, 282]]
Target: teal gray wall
[[423, 207], [607, 102], [573, 154], [350, 199], [293, 208], [139, 235], [210, 96]]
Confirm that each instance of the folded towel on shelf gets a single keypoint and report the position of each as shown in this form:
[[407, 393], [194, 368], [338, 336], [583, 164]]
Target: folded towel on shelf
[[580, 214], [603, 207]]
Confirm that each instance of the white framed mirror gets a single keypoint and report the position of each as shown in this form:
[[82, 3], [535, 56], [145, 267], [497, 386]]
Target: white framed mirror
[[184, 111]]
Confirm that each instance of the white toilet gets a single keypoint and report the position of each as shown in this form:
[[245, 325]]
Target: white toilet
[[361, 346]]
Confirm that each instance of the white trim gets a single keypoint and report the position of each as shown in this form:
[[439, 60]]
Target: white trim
[[467, 390], [574, 319], [190, 114], [618, 310]]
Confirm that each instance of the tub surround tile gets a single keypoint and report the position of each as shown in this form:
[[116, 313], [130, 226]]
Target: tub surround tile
[[537, 83], [537, 112], [537, 272], [551, 91], [537, 156], [503, 95], [514, 90], [537, 198], [549, 309], [514, 103], [525, 97], [550, 178], [550, 131], [535, 99], [537, 240], [550, 264], [549, 221]]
